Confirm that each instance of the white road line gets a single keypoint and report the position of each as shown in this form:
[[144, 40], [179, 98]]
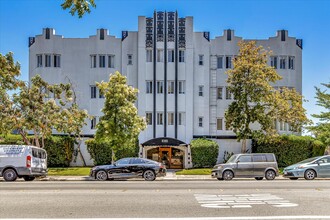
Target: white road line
[[197, 218], [242, 201]]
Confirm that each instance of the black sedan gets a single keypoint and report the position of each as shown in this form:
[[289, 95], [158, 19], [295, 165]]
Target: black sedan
[[129, 168]]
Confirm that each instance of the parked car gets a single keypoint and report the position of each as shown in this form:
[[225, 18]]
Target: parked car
[[316, 167], [22, 161], [129, 168], [247, 165]]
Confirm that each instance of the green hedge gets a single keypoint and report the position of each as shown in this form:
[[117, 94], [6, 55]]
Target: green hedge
[[204, 153], [289, 149], [101, 152], [59, 148]]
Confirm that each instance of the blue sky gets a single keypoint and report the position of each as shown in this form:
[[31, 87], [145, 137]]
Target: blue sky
[[251, 19]]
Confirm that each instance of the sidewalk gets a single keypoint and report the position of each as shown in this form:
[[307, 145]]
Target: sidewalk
[[170, 176]]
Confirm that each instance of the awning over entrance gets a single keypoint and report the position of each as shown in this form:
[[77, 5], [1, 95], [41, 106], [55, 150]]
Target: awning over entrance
[[164, 141]]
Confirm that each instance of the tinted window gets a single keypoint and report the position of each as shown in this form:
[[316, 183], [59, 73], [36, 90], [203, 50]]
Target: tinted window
[[270, 157], [259, 158], [123, 161], [245, 159], [137, 161]]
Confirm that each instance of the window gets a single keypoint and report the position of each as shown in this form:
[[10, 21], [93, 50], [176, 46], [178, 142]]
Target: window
[[181, 118], [219, 62], [245, 159], [228, 94], [259, 158], [93, 61], [170, 57], [219, 124], [93, 123], [93, 92], [181, 56], [159, 118], [282, 62], [219, 92], [270, 157], [200, 121], [170, 88], [170, 118], [111, 61], [201, 60], [137, 161], [160, 56], [273, 62], [101, 61], [129, 59], [39, 60], [182, 86], [160, 85], [149, 118], [101, 95], [228, 62], [149, 56], [281, 126], [149, 87], [291, 63], [48, 60], [57, 60], [123, 161], [200, 90]]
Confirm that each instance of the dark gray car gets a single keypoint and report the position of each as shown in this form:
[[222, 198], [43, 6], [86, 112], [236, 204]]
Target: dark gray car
[[255, 166]]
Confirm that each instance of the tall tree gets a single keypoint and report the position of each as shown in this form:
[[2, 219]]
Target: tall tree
[[36, 107], [255, 100], [120, 125], [79, 6], [322, 129]]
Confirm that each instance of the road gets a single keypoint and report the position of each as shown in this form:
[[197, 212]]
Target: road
[[166, 199]]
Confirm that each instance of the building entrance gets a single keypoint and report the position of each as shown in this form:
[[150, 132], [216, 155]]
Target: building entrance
[[174, 154]]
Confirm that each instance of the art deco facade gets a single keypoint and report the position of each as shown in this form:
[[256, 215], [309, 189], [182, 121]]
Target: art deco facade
[[180, 75]]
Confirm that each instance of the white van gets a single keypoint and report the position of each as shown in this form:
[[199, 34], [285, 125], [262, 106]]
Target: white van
[[22, 161]]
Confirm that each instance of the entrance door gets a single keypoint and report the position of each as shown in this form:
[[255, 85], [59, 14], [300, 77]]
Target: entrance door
[[165, 156]]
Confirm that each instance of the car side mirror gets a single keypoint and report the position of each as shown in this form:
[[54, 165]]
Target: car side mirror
[[114, 164], [237, 161]]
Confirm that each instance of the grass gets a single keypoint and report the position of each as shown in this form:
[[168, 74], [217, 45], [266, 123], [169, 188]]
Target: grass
[[69, 171], [203, 171]]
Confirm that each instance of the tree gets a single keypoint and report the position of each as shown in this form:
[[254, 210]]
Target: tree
[[120, 125], [255, 100], [322, 129], [9, 72], [37, 107], [79, 6]]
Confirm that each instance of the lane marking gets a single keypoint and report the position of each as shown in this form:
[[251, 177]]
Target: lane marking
[[242, 201]]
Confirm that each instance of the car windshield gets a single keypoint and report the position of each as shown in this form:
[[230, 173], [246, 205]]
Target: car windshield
[[232, 159], [308, 160]]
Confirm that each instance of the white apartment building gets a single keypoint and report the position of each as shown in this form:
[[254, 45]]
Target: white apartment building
[[180, 75]]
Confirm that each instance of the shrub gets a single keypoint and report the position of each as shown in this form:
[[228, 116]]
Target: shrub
[[289, 149], [204, 152], [59, 148], [101, 152]]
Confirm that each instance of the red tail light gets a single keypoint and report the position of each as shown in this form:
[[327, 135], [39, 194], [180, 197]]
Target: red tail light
[[28, 161]]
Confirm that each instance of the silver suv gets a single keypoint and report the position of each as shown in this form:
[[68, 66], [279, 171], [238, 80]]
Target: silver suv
[[247, 165]]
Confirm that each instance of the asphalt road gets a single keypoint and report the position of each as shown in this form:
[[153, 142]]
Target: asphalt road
[[166, 199]]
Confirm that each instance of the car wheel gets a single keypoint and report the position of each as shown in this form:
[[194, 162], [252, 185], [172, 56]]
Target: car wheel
[[228, 175], [270, 174], [219, 178], [101, 175], [149, 175], [293, 178], [258, 178], [10, 175], [29, 178], [310, 175]]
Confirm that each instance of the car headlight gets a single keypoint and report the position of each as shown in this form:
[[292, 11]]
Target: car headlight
[[219, 167], [300, 167]]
